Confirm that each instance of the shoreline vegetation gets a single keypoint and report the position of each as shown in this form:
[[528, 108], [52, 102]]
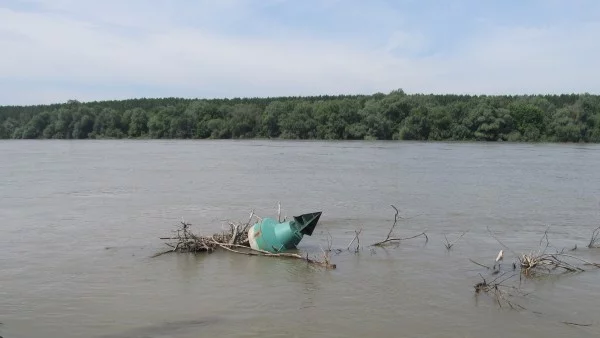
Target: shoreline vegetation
[[392, 116]]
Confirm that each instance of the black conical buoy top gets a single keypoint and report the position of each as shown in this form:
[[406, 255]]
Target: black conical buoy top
[[306, 223]]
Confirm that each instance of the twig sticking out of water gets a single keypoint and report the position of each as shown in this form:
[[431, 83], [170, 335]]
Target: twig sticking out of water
[[357, 239], [326, 256], [545, 235], [395, 222], [389, 239], [595, 240], [449, 245], [500, 242]]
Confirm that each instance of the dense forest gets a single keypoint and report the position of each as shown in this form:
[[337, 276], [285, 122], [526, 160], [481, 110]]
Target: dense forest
[[393, 116]]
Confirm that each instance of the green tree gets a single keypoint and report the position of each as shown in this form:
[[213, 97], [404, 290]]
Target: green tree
[[416, 126], [396, 115], [138, 124], [271, 116], [299, 123], [159, 125]]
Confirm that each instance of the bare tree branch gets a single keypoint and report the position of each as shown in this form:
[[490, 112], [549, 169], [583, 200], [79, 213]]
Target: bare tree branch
[[357, 239], [595, 240], [449, 245], [390, 240]]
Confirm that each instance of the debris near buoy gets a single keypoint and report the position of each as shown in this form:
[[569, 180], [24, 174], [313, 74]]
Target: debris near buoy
[[264, 236]]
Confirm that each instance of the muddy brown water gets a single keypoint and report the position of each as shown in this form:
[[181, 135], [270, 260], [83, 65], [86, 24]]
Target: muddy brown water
[[80, 220]]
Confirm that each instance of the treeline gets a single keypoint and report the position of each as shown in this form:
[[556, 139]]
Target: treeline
[[395, 116]]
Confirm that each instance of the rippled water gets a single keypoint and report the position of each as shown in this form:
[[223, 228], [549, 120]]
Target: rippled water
[[80, 220]]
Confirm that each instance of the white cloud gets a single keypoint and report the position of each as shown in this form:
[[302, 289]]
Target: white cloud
[[65, 49], [535, 60], [405, 42], [42, 47]]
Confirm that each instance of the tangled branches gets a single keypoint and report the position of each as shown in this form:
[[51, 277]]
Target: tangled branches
[[500, 292], [235, 240], [184, 240], [540, 262], [535, 263]]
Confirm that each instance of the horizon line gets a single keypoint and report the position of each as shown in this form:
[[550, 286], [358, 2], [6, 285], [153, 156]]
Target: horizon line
[[234, 98]]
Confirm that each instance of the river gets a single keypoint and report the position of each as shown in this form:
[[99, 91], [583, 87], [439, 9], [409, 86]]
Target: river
[[80, 221]]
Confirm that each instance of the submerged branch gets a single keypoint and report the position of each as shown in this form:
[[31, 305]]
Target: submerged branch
[[499, 292], [576, 324], [389, 239], [395, 222], [449, 244], [255, 252], [357, 239], [483, 266], [499, 241], [595, 240], [392, 240]]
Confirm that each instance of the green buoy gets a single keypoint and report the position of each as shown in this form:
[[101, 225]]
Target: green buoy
[[272, 236]]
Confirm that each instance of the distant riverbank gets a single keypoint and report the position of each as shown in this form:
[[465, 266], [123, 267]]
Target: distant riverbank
[[393, 116]]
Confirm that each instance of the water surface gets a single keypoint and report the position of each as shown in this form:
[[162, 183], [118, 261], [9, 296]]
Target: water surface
[[80, 220]]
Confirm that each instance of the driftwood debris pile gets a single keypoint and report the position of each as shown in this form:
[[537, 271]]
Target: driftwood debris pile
[[184, 240], [234, 239], [536, 264], [549, 262], [544, 261], [504, 287]]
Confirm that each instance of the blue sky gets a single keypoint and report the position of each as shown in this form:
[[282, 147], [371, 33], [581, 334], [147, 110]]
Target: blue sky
[[56, 50]]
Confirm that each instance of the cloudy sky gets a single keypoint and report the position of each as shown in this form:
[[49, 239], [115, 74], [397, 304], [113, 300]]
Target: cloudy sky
[[56, 50]]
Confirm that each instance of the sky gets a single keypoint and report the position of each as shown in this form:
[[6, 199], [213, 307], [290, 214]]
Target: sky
[[52, 51]]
